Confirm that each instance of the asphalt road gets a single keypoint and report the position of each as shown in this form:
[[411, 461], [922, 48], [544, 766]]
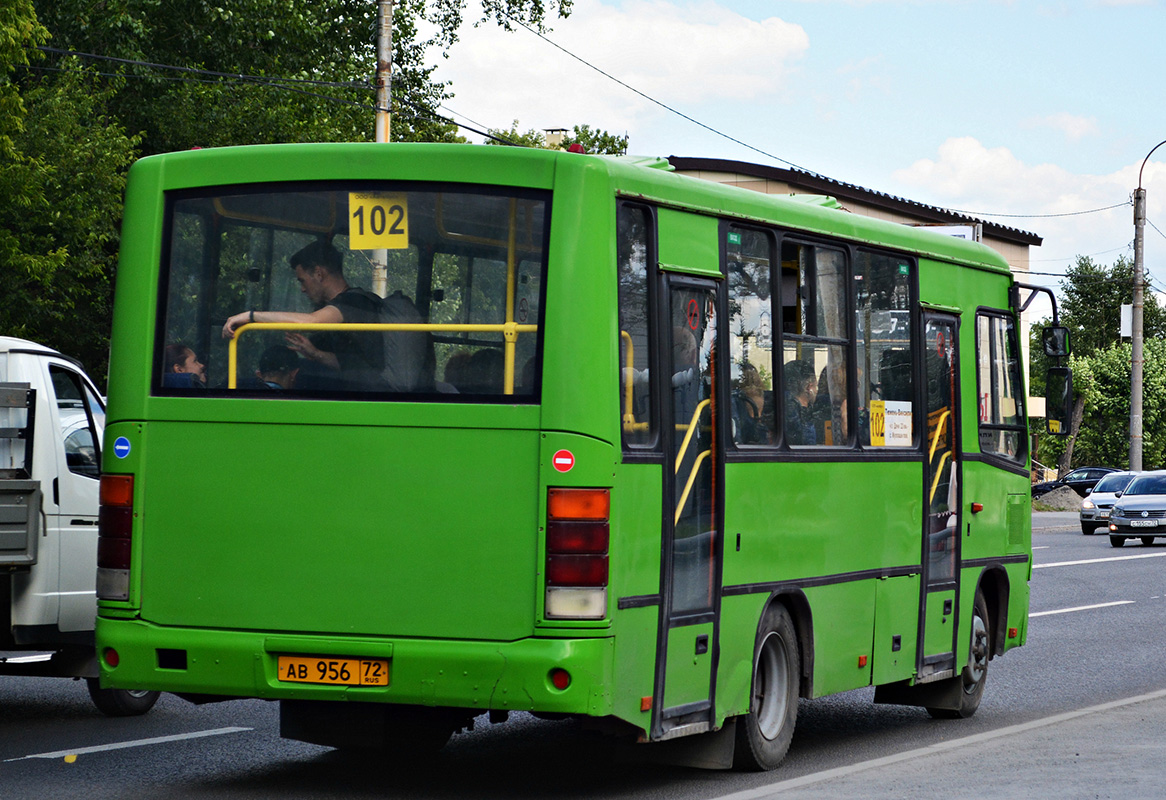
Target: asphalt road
[[1075, 713]]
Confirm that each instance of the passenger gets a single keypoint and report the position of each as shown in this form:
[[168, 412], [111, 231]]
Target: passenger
[[484, 371], [278, 367], [754, 425], [181, 368], [801, 389], [457, 368], [358, 358]]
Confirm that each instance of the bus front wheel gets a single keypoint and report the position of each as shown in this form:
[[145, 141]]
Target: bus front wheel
[[975, 674], [764, 734]]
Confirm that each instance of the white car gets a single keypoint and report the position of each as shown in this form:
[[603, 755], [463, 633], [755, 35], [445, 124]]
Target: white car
[[1099, 500]]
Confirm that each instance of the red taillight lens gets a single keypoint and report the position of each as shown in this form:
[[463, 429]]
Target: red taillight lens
[[577, 570], [577, 537], [115, 521]]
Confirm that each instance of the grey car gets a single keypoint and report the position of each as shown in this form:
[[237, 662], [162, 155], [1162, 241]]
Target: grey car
[[1140, 512], [1099, 500]]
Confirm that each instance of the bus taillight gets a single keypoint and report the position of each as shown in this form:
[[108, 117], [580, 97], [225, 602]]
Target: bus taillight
[[115, 528], [578, 533]]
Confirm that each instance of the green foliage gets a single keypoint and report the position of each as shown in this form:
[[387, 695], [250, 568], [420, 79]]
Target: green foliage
[[59, 226], [597, 142], [1102, 378], [1091, 300]]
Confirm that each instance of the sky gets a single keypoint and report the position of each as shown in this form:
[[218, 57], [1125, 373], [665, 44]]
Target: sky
[[1022, 113]]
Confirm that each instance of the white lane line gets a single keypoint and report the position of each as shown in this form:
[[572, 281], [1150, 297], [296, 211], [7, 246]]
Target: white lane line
[[1080, 608], [1098, 560], [1042, 547], [774, 790], [136, 743]]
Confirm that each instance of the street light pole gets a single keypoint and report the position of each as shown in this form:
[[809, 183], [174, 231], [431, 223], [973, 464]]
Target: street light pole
[[1137, 358]]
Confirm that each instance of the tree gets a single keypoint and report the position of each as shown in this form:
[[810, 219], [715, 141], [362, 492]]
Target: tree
[[597, 141], [282, 45], [1091, 300]]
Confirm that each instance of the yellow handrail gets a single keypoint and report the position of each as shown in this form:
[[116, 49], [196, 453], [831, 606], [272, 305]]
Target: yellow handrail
[[509, 330], [935, 439], [691, 429], [629, 419], [688, 486], [938, 475], [931, 454]]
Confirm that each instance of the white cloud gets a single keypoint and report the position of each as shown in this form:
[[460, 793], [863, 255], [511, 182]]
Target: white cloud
[[1073, 127], [680, 54], [967, 175]]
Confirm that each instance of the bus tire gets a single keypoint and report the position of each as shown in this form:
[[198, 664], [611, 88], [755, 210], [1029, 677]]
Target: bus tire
[[1117, 541], [121, 702], [974, 675], [764, 734]]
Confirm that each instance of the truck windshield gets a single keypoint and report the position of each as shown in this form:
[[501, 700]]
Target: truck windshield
[[355, 290]]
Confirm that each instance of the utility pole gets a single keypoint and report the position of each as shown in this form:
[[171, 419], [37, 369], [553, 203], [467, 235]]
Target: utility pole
[[380, 257], [1137, 358], [384, 68]]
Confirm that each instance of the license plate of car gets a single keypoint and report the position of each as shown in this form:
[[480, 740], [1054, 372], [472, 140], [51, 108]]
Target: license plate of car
[[334, 671], [1103, 515], [1143, 523]]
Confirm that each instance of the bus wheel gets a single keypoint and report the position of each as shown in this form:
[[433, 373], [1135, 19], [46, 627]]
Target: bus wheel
[[763, 735], [121, 702], [975, 674], [1117, 541]]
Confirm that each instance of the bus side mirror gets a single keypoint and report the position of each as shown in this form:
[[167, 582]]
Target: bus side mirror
[[1056, 341], [1059, 400]]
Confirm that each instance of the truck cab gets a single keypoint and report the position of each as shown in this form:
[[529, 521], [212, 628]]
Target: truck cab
[[52, 418]]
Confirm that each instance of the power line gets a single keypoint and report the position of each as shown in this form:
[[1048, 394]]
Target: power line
[[258, 80], [1039, 216], [665, 106]]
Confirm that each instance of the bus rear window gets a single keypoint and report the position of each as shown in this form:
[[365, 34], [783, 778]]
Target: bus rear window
[[356, 290]]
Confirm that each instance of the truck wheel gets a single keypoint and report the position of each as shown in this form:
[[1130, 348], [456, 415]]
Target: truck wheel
[[121, 702], [764, 734]]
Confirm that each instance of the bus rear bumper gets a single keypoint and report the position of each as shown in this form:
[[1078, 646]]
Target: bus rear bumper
[[507, 676]]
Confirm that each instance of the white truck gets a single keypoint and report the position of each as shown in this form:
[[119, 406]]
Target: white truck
[[51, 422]]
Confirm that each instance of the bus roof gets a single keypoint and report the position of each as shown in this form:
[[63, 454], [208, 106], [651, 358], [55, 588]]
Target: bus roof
[[651, 179]]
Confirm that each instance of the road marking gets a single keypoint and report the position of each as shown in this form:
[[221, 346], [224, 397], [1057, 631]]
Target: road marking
[[136, 743], [1042, 547], [1098, 560], [1080, 608], [775, 789]]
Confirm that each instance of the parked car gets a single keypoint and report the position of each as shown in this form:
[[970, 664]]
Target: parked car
[[1140, 512], [1099, 501], [1079, 480]]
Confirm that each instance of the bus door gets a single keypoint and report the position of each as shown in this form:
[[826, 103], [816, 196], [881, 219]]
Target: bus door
[[941, 498], [691, 555]]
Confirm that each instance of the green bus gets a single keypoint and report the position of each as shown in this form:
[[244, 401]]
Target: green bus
[[399, 435]]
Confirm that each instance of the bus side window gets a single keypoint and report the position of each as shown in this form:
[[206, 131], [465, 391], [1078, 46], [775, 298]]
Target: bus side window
[[882, 289], [815, 340], [632, 253], [749, 254]]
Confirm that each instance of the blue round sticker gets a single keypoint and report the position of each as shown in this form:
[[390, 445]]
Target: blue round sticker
[[121, 447]]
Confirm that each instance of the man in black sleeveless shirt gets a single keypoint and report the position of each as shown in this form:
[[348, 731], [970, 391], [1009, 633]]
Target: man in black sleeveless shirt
[[357, 357]]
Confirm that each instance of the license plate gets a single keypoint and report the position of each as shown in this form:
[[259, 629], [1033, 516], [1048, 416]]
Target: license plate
[[334, 671], [1103, 515], [1143, 523]]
